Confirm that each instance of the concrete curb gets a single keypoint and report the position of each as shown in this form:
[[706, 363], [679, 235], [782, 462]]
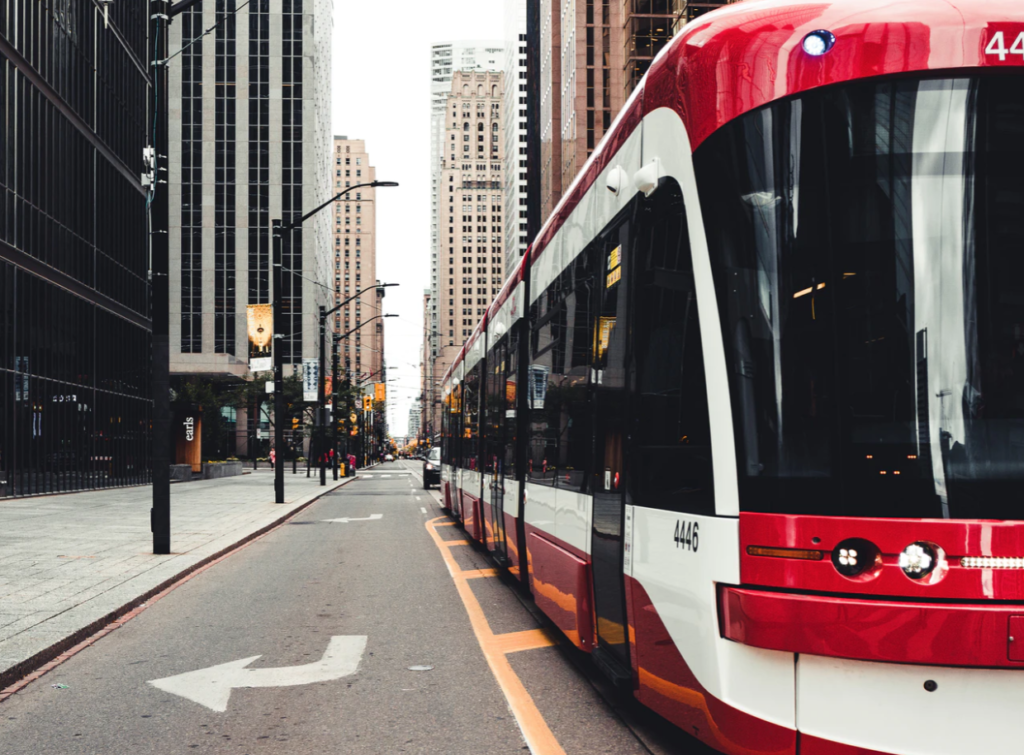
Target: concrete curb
[[19, 671]]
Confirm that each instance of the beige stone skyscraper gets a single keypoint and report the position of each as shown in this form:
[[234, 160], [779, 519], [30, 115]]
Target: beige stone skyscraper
[[355, 262], [470, 250]]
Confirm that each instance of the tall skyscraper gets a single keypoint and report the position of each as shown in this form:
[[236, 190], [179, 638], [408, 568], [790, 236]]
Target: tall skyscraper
[[75, 328], [355, 261], [470, 253], [581, 86], [649, 26], [445, 59], [414, 420], [516, 153], [549, 120], [249, 142]]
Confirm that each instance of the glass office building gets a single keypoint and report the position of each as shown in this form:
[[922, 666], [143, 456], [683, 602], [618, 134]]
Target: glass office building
[[75, 333]]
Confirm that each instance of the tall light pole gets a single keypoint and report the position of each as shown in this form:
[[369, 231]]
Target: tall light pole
[[321, 409], [334, 385], [160, 14], [278, 230]]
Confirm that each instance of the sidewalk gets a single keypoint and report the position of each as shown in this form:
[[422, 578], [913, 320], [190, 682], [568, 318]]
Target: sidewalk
[[70, 564]]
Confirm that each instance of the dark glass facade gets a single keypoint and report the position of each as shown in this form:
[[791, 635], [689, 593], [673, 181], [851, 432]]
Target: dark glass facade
[[259, 152], [291, 179], [192, 185], [75, 333], [224, 179]]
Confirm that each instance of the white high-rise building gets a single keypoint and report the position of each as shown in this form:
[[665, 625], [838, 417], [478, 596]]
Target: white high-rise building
[[515, 186], [414, 420], [250, 142]]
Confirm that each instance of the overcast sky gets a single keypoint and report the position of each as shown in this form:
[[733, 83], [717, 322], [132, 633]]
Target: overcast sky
[[382, 94]]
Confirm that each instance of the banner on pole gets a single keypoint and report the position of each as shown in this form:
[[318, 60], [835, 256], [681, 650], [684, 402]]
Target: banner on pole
[[310, 379], [260, 321]]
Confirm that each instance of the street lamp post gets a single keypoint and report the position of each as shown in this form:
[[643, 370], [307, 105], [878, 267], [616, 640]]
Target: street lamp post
[[321, 408], [334, 375], [160, 14], [278, 230]]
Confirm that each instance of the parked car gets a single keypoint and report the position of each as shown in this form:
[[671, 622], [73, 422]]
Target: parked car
[[432, 468], [389, 457]]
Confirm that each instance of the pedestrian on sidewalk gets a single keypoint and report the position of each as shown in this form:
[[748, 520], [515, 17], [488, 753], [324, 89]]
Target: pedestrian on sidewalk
[[273, 457]]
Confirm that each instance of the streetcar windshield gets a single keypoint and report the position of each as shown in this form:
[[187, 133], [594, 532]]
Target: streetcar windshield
[[868, 249]]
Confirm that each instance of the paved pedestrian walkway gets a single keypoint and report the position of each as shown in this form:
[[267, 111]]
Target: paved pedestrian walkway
[[70, 564]]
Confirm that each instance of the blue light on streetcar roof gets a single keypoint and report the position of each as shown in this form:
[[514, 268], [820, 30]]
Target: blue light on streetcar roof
[[819, 42]]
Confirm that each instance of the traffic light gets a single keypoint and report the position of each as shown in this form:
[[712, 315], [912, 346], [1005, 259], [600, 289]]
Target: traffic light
[[295, 424], [367, 404]]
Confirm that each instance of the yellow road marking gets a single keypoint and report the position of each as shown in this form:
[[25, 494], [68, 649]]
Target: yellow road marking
[[535, 729], [513, 642], [477, 573]]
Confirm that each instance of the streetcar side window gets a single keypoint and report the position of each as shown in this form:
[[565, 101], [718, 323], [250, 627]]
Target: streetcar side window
[[509, 393], [499, 406], [470, 443], [671, 435], [494, 408], [560, 417], [455, 425]]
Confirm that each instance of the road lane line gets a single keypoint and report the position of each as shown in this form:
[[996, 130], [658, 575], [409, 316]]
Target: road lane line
[[423, 509], [477, 573], [536, 732], [513, 642]]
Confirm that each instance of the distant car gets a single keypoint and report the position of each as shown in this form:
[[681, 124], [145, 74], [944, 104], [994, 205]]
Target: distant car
[[432, 468], [389, 457]]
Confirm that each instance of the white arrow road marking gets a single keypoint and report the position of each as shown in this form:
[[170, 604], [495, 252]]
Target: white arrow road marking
[[347, 519], [211, 687]]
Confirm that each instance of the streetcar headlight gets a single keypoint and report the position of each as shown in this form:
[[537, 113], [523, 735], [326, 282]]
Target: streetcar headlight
[[855, 557], [429, 467], [919, 559], [819, 42]]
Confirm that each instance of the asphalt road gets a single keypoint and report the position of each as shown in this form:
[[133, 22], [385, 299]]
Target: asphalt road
[[283, 598]]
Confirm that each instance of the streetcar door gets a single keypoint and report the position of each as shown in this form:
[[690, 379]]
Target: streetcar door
[[608, 400]]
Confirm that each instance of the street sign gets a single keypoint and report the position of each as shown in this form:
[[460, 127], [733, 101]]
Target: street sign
[[211, 687], [310, 379], [270, 386]]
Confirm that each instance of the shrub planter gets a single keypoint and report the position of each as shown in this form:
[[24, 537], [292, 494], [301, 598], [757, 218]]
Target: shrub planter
[[221, 469]]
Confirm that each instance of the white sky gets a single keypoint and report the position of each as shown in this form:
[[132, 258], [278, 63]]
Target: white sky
[[382, 94]]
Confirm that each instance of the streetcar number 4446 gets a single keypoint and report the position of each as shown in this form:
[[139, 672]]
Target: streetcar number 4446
[[997, 46], [686, 535]]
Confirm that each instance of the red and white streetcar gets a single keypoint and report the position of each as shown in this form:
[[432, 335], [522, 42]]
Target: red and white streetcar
[[751, 411]]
